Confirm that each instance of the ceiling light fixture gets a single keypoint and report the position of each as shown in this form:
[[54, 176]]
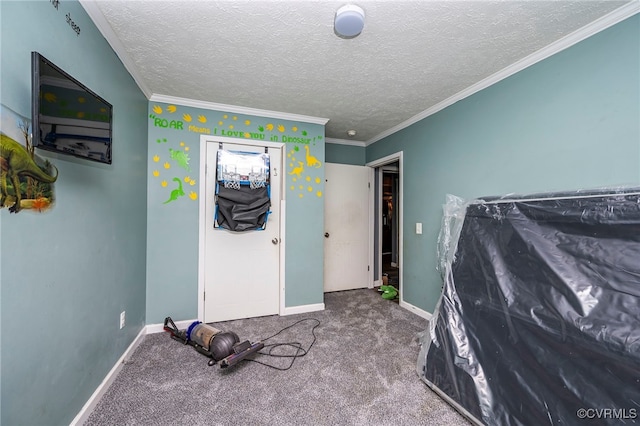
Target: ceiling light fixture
[[351, 133], [349, 21]]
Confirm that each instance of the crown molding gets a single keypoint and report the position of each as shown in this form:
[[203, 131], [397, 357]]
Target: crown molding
[[98, 18], [236, 109], [569, 40], [96, 15], [345, 142], [577, 36]]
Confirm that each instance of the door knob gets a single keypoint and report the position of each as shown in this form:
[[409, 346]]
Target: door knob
[[274, 241], [326, 235]]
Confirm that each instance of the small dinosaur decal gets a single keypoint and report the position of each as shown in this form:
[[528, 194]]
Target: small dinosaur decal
[[181, 158], [311, 160], [297, 170], [176, 193], [15, 161]]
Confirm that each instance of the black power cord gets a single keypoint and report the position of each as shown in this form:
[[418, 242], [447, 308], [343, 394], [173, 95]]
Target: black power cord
[[299, 350]]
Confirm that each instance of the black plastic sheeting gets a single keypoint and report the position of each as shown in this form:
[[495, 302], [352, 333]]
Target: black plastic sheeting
[[539, 318], [243, 208]]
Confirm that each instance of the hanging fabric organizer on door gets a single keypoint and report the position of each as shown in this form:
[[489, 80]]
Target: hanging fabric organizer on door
[[243, 196]]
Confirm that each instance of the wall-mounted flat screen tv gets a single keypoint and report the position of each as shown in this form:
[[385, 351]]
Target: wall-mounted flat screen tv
[[67, 117]]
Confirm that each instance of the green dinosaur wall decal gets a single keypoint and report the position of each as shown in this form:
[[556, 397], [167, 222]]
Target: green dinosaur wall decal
[[176, 193], [181, 158], [15, 161]]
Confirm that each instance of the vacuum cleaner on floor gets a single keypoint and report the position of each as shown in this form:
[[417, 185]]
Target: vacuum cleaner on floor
[[223, 347]]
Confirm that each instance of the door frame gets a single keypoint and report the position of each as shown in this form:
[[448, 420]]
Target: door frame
[[204, 139], [377, 212]]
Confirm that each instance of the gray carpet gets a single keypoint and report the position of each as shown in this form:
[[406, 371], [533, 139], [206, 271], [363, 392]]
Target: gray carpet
[[360, 371]]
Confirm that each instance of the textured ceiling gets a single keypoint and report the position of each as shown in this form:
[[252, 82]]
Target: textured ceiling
[[284, 55]]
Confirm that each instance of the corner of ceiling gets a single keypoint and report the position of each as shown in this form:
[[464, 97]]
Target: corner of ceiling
[[96, 15], [618, 15]]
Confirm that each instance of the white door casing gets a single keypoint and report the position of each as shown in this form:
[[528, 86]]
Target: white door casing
[[240, 272], [392, 158], [347, 257]]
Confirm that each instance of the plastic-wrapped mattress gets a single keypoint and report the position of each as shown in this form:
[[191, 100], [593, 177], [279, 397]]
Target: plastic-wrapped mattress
[[539, 318]]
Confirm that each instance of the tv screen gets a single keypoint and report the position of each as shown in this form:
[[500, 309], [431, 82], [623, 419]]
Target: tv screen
[[67, 117]]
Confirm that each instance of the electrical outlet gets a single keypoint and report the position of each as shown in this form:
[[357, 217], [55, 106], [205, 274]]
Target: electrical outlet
[[418, 228], [122, 317]]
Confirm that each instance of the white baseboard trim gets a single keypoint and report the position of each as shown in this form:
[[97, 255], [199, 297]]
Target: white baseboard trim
[[159, 328], [91, 403], [420, 312], [303, 309]]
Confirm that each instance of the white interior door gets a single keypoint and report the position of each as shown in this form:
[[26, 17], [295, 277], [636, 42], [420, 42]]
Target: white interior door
[[347, 227], [241, 269]]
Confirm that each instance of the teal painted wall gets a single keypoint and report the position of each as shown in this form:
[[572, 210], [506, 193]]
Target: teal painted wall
[[69, 272], [172, 264], [345, 154], [568, 122]]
